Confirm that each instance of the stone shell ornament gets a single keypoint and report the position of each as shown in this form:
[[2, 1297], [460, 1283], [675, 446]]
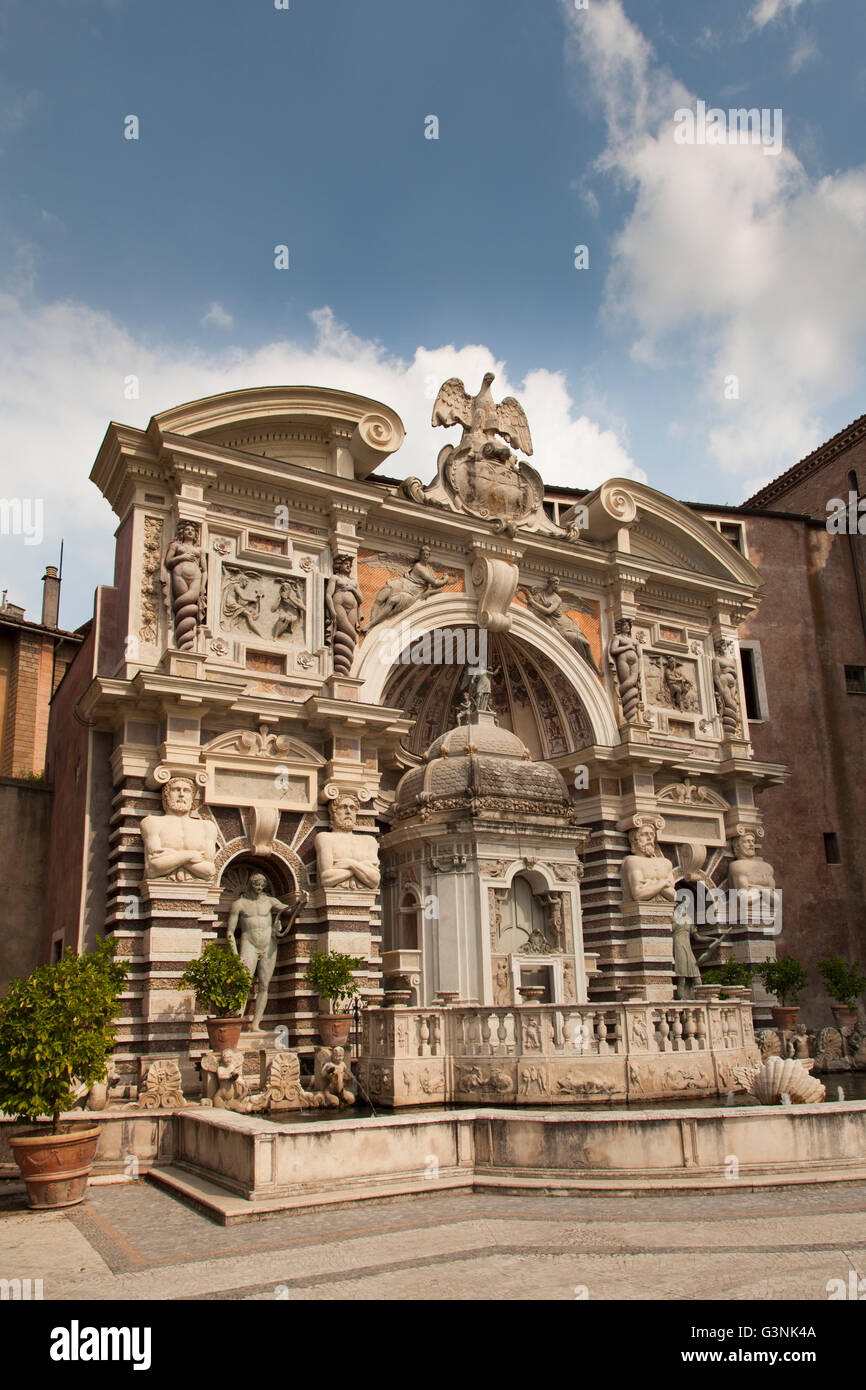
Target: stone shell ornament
[[779, 1076]]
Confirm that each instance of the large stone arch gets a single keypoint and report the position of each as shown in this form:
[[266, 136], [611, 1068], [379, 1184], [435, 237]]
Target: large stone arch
[[381, 648]]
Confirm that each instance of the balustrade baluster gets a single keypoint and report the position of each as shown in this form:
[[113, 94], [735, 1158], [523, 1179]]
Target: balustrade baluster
[[601, 1033], [689, 1029], [486, 1049], [502, 1032], [702, 1038], [664, 1032], [677, 1029]]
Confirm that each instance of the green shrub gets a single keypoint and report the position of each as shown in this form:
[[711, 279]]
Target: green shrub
[[784, 977], [57, 1025], [843, 981], [220, 979], [330, 974], [733, 972]]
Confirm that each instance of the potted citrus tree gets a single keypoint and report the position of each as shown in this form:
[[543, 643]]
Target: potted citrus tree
[[330, 974], [221, 983], [56, 1029], [733, 978], [785, 978], [845, 983]]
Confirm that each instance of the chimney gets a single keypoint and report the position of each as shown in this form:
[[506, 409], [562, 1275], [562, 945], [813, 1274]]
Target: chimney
[[50, 596]]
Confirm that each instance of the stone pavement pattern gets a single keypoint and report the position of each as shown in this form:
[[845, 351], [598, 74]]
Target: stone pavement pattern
[[133, 1241]]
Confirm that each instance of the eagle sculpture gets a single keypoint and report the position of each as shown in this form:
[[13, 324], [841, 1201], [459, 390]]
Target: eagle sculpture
[[482, 419]]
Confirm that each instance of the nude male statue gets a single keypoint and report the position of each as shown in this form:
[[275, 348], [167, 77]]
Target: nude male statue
[[258, 914], [752, 876], [646, 875], [179, 845], [344, 859]]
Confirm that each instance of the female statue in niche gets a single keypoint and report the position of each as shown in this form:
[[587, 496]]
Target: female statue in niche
[[624, 655], [343, 601], [183, 562]]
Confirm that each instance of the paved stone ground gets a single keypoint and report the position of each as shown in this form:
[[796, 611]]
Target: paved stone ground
[[134, 1241]]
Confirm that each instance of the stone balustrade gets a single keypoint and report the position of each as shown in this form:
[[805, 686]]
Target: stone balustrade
[[563, 1053]]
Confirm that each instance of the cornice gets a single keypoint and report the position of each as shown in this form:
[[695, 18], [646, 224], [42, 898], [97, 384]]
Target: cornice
[[825, 453]]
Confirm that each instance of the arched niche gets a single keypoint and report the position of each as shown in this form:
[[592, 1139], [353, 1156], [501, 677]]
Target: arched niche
[[383, 648], [237, 873]]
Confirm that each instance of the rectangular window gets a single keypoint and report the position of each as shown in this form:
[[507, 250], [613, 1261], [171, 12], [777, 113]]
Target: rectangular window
[[753, 681], [855, 680], [831, 848], [733, 533]]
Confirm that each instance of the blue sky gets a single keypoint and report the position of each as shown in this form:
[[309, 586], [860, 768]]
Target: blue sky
[[414, 258]]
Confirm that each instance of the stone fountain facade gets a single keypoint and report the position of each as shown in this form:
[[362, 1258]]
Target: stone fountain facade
[[476, 744]]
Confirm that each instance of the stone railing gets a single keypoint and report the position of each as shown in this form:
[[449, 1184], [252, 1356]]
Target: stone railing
[[556, 1051]]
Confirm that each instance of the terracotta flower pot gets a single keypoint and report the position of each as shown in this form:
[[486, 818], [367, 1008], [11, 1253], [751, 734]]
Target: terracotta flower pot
[[845, 1015], [223, 1032], [55, 1167], [785, 1016], [334, 1029]]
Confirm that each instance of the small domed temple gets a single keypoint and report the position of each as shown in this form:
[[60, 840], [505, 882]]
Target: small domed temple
[[487, 737]]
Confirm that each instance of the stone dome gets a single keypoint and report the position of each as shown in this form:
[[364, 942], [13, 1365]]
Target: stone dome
[[479, 766]]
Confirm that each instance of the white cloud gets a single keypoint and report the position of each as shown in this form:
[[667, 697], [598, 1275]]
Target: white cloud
[[766, 11], [730, 262], [803, 52], [218, 316], [62, 373]]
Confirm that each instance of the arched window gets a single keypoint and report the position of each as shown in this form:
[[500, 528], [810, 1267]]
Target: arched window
[[521, 915]]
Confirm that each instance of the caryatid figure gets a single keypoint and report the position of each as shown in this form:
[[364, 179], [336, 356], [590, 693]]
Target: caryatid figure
[[343, 601], [345, 859], [257, 915], [727, 685], [623, 653], [183, 562], [179, 845], [647, 877]]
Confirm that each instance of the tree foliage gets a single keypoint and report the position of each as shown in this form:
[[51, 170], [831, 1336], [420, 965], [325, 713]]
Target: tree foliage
[[57, 1025], [330, 974], [843, 981], [220, 979], [784, 977]]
